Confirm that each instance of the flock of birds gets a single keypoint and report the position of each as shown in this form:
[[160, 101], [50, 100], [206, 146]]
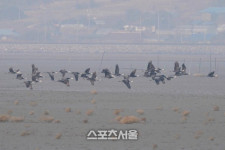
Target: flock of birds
[[151, 71]]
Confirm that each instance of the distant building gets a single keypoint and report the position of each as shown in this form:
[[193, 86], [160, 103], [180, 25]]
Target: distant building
[[132, 28]]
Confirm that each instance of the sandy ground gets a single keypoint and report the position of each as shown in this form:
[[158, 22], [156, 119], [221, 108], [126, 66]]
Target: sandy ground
[[187, 113]]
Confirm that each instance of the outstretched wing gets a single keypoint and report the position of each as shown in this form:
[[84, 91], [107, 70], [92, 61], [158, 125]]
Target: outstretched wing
[[176, 66], [87, 71], [184, 68], [92, 82], [76, 76], [150, 66], [211, 74], [133, 73], [94, 75], [117, 70], [51, 75], [127, 83]]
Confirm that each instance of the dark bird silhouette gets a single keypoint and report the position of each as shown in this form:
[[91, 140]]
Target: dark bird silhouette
[[34, 69], [19, 76], [93, 78], [35, 77], [184, 68], [212, 74], [65, 81], [126, 81], [39, 75], [12, 71], [85, 74], [170, 77], [63, 72], [153, 73], [133, 74], [150, 73], [150, 66], [28, 84], [51, 75], [107, 73], [76, 75], [117, 70], [87, 71], [157, 80], [105, 70], [176, 67], [178, 70], [151, 70], [160, 78]]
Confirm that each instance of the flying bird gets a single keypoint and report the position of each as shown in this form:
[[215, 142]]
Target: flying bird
[[87, 71], [51, 75], [63, 72], [160, 78], [126, 81], [35, 77], [176, 67], [170, 77], [19, 76], [150, 66], [178, 70], [117, 70], [28, 84], [34, 69], [93, 78], [212, 74], [183, 68], [133, 74], [84, 75], [13, 71], [65, 81], [151, 70], [107, 73], [76, 75]]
